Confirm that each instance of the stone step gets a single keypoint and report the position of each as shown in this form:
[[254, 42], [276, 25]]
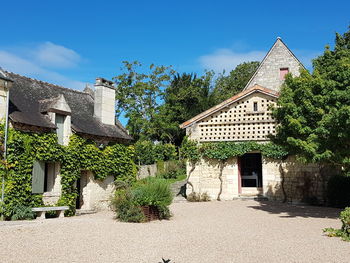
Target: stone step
[[252, 197], [80, 212]]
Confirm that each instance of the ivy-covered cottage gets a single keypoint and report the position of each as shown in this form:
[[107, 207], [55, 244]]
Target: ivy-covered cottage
[[65, 146], [246, 117]]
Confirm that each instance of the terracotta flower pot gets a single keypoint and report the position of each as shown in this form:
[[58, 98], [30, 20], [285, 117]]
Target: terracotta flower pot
[[150, 212]]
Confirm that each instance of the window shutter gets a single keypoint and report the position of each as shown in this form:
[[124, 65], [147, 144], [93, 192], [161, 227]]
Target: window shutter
[[60, 127], [38, 177]]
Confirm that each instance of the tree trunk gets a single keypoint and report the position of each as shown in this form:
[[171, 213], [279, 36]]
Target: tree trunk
[[222, 165], [193, 166], [282, 172]]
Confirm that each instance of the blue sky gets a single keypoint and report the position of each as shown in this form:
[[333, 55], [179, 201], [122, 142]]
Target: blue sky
[[72, 42]]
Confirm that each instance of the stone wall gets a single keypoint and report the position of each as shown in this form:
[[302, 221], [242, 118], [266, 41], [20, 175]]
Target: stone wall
[[268, 74], [147, 170], [204, 178], [302, 183], [97, 194]]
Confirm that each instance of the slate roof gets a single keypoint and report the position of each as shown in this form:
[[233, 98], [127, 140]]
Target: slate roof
[[224, 104], [26, 101]]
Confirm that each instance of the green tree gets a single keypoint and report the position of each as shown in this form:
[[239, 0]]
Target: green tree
[[314, 109], [186, 96], [228, 86], [139, 95]]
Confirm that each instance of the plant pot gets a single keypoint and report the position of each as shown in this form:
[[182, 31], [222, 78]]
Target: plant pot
[[150, 212]]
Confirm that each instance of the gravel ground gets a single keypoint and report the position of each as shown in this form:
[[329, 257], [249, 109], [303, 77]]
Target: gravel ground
[[231, 231]]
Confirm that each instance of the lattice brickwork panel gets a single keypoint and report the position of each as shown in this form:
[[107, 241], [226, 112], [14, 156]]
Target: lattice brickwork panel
[[248, 119]]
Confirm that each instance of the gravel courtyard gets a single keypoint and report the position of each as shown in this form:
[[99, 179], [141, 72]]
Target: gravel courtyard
[[231, 231]]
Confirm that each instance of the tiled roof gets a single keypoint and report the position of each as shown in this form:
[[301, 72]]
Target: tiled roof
[[229, 101], [26, 103]]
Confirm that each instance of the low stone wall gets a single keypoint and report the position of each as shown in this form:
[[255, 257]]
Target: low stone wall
[[302, 182], [147, 170]]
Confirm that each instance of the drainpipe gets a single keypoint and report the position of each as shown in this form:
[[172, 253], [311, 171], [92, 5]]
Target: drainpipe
[[5, 142]]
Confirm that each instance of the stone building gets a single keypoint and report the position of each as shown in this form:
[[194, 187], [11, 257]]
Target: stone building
[[38, 106], [247, 117]]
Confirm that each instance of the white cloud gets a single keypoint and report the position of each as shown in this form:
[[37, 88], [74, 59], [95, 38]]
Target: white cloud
[[38, 63], [56, 56], [227, 59]]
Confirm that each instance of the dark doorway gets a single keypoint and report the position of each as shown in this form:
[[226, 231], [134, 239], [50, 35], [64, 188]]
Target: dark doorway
[[251, 170], [81, 184]]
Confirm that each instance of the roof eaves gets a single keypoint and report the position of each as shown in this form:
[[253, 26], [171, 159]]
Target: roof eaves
[[228, 102]]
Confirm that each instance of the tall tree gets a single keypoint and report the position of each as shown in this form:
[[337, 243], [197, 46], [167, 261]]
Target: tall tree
[[185, 97], [228, 86], [314, 109], [139, 95]]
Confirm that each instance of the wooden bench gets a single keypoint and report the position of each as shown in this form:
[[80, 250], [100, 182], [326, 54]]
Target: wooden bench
[[40, 211], [253, 176]]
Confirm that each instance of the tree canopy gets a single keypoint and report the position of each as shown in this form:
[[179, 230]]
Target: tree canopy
[[228, 86], [186, 96], [139, 95], [314, 109]]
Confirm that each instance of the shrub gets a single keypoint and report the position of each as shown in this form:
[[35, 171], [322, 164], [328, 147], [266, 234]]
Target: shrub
[[344, 232], [338, 193], [21, 212], [173, 170], [165, 152], [193, 197], [154, 192], [198, 197], [204, 197], [147, 192], [126, 210], [144, 152], [345, 219], [164, 212]]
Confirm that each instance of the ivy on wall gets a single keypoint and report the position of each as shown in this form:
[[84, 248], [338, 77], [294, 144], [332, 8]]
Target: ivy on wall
[[24, 148], [223, 151]]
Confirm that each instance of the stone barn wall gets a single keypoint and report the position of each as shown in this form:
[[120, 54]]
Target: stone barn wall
[[302, 182]]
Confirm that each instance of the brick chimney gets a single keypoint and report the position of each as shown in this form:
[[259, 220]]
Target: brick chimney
[[104, 106]]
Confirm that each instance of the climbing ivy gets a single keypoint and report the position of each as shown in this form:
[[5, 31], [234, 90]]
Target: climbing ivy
[[223, 151], [81, 154]]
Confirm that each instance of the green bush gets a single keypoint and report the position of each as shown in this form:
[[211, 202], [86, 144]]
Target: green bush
[[149, 153], [144, 152], [154, 192], [338, 192], [345, 219], [198, 197], [125, 208], [344, 232], [147, 192], [21, 212], [173, 170]]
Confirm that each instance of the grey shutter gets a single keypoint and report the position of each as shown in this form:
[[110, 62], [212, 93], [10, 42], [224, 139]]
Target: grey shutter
[[59, 120], [38, 177]]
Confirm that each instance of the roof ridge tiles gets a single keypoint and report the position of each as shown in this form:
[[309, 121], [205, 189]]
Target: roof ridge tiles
[[47, 83]]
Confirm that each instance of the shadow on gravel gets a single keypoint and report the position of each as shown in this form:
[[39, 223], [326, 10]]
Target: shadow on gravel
[[289, 210]]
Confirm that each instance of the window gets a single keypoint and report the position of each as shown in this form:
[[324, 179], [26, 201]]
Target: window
[[43, 177], [255, 106], [59, 121], [283, 73]]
